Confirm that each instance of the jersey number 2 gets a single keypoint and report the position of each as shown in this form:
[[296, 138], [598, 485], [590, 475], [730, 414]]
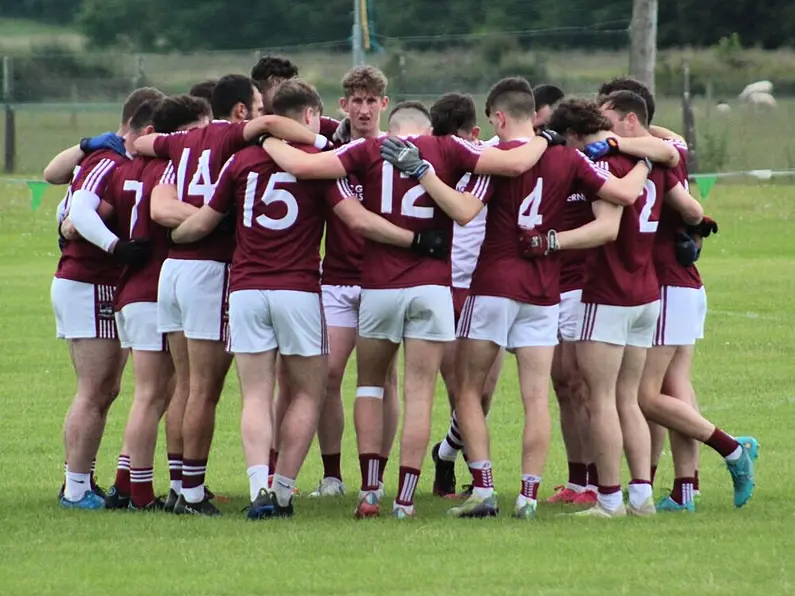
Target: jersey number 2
[[647, 226], [408, 204]]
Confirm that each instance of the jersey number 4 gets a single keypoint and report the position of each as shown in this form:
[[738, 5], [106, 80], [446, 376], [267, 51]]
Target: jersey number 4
[[529, 217], [201, 184], [408, 204], [270, 196]]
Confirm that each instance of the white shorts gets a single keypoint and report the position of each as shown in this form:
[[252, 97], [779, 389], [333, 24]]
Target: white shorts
[[424, 312], [263, 320], [192, 297], [682, 315], [341, 305], [508, 323], [618, 325], [83, 310], [569, 314], [137, 326]]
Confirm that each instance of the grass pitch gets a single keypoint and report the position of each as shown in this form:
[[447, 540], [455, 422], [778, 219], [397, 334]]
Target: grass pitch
[[743, 375]]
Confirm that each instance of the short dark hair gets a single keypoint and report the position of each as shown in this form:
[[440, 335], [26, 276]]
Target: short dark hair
[[143, 115], [513, 95], [578, 116], [453, 112], [203, 89], [547, 95], [179, 110], [229, 91], [410, 105], [629, 84], [627, 102], [293, 95], [136, 98], [270, 67]]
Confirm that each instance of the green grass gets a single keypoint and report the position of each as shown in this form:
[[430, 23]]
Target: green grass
[[743, 374], [22, 34]]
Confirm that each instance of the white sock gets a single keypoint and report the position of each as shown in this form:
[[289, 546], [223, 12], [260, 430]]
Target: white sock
[[176, 486], [639, 494], [77, 485], [193, 495], [447, 452], [735, 455], [482, 493], [575, 487], [592, 488], [283, 487], [257, 479], [407, 508], [522, 500], [611, 501]]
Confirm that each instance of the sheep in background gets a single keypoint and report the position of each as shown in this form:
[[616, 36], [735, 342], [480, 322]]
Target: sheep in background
[[757, 87]]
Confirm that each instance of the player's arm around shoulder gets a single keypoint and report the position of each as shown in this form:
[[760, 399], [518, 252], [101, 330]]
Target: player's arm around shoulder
[[625, 191], [62, 166], [657, 150], [197, 226], [601, 230], [87, 222], [282, 128], [461, 207], [302, 164], [511, 162], [372, 226], [682, 201]]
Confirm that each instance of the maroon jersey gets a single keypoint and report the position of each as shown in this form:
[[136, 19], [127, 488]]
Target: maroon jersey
[[536, 199], [578, 212], [669, 271], [402, 201], [342, 260], [621, 273], [279, 222], [130, 193], [198, 156], [328, 126], [81, 260]]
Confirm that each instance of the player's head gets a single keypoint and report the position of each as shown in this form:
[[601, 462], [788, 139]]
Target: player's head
[[236, 98], [268, 72], [134, 101], [628, 84], [203, 89], [300, 101], [577, 120], [547, 98], [510, 101], [363, 99], [141, 122], [181, 112], [455, 114], [410, 118], [628, 113]]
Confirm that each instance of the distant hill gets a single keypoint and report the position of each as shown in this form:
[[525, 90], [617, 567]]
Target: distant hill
[[21, 34]]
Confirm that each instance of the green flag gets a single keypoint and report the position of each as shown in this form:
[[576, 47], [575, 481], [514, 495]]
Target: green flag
[[37, 189], [705, 184]]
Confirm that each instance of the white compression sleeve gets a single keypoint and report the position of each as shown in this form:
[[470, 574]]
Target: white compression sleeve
[[87, 221], [60, 212]]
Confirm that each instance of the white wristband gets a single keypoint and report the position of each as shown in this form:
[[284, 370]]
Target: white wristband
[[320, 141]]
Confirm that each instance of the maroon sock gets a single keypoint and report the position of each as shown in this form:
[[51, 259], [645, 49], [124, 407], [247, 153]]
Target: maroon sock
[[721, 442], [193, 472], [175, 467], [331, 465], [653, 474], [482, 478], [578, 473], [695, 481], [382, 461], [593, 475], [407, 484], [369, 464], [530, 486], [122, 481], [272, 459], [682, 492], [142, 491], [609, 490]]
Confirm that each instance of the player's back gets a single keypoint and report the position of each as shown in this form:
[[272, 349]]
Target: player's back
[[279, 223], [621, 273]]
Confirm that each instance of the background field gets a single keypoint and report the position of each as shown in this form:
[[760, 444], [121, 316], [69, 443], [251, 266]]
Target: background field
[[743, 374]]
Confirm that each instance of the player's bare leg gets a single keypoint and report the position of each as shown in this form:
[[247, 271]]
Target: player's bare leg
[[281, 403], [373, 359], [307, 378], [534, 364], [209, 364], [635, 430], [391, 417], [677, 383], [422, 360], [154, 376], [658, 435], [600, 364], [256, 374], [97, 363], [175, 414], [331, 425]]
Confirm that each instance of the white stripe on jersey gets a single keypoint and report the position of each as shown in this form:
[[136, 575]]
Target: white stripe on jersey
[[345, 189], [467, 239], [94, 179], [168, 176], [347, 146]]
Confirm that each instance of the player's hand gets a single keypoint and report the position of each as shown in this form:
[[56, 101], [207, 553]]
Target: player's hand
[[133, 252], [706, 227], [599, 149], [342, 135], [552, 137], [107, 140], [405, 156], [533, 243], [432, 243], [687, 250]]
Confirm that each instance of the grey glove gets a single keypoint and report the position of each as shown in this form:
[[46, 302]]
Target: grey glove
[[405, 156], [342, 135]]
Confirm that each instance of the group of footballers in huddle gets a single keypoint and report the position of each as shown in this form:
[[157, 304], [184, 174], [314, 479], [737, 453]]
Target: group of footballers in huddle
[[193, 235]]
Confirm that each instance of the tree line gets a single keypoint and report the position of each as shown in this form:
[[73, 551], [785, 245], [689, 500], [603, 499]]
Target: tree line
[[147, 25]]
